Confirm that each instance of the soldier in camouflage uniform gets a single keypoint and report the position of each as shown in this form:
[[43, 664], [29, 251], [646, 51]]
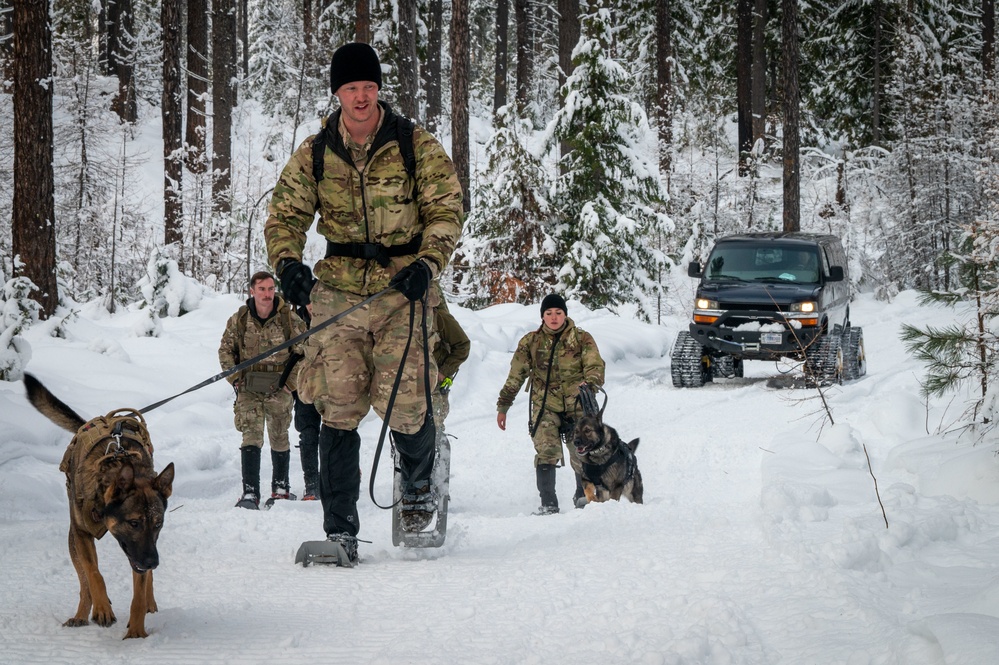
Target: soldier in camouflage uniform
[[263, 390], [556, 359], [384, 229], [450, 351]]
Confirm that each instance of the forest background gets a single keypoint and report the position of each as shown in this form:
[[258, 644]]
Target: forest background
[[601, 143]]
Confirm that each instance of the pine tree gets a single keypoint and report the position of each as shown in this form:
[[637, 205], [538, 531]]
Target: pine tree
[[17, 312], [611, 232], [508, 252]]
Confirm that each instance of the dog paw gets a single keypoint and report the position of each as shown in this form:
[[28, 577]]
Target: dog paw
[[104, 619], [76, 623], [135, 633]]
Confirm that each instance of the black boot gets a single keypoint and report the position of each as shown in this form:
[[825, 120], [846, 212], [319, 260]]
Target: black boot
[[307, 423], [416, 463], [280, 485], [546, 487], [579, 496], [339, 480], [250, 462]]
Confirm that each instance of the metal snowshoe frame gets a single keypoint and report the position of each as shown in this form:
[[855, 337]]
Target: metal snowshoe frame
[[326, 552], [435, 535]]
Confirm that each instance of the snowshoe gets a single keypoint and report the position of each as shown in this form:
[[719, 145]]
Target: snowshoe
[[414, 513], [546, 510], [279, 495], [339, 549], [249, 501]]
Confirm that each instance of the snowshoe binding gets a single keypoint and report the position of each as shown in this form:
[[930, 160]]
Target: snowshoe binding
[[419, 517], [339, 549], [278, 495], [249, 500]]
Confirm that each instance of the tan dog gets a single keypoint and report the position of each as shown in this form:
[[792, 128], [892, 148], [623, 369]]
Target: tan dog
[[112, 487], [610, 469]]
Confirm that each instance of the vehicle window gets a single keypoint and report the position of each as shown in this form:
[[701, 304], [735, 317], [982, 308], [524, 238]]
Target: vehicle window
[[762, 263]]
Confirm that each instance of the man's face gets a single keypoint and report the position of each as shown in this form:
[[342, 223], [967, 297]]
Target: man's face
[[359, 101], [263, 293], [553, 318]]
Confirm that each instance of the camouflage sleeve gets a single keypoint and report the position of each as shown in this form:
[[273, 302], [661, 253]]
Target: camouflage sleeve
[[439, 197], [520, 367], [593, 363], [297, 328], [229, 347], [457, 341], [292, 208]]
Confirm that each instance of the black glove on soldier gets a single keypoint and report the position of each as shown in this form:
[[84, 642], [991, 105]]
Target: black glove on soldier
[[413, 280], [296, 281]]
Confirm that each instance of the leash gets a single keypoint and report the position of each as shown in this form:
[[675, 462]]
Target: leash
[[392, 396], [587, 400], [533, 429], [266, 354]]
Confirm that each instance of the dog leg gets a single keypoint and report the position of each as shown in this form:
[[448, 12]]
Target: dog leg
[[590, 490], [83, 608], [86, 562], [137, 611], [150, 600]]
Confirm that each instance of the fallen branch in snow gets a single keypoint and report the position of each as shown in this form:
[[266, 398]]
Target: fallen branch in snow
[[876, 492]]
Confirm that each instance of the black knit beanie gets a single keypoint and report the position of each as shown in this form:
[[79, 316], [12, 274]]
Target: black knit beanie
[[355, 61], [553, 300]]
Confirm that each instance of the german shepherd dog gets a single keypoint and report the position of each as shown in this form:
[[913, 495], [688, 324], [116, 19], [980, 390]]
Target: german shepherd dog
[[610, 469], [112, 487]]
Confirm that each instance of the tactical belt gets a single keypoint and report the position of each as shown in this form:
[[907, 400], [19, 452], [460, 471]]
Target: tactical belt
[[373, 251]]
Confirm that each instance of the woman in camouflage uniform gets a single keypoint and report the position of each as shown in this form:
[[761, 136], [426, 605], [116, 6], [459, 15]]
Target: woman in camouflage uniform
[[556, 358]]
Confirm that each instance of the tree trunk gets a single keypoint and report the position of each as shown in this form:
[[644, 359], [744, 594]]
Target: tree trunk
[[121, 49], [502, 39], [408, 64], [172, 112], [525, 54], [223, 95], [744, 80], [792, 169], [568, 37], [459, 95], [664, 84], [197, 85], [876, 82], [308, 24], [244, 32], [759, 73], [363, 22], [33, 207], [988, 39], [432, 70]]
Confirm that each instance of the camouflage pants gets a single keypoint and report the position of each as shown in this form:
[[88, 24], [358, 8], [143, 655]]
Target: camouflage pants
[[548, 442], [254, 410], [351, 366]]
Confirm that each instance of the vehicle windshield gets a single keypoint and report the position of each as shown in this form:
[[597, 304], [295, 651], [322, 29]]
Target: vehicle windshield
[[763, 263]]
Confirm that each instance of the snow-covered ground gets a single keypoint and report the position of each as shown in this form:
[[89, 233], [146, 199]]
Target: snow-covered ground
[[761, 540]]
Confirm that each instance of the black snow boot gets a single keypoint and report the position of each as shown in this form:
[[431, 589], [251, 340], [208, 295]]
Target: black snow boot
[[280, 485], [339, 479], [308, 422], [579, 496], [546, 487], [416, 462], [250, 462]]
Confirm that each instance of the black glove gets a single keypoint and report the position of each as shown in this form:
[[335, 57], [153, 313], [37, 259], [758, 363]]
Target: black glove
[[296, 281], [413, 280]]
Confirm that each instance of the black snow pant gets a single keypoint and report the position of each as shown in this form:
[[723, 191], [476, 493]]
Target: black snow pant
[[307, 423], [339, 479]]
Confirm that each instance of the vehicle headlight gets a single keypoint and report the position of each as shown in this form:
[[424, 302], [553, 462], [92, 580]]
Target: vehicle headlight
[[807, 307], [706, 311], [704, 303]]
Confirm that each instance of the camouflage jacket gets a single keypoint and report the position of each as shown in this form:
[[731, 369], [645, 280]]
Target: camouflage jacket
[[452, 346], [373, 205], [259, 336], [577, 360]]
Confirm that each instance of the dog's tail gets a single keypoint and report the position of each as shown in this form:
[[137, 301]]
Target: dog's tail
[[50, 406]]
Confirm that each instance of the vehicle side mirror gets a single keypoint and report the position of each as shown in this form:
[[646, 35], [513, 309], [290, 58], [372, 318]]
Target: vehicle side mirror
[[835, 274], [694, 269]]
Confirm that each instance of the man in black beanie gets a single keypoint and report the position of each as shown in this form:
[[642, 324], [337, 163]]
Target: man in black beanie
[[389, 233], [558, 357]]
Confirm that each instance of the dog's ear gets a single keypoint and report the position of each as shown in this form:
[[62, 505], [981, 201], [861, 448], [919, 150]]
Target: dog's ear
[[633, 444], [122, 482], [164, 482]]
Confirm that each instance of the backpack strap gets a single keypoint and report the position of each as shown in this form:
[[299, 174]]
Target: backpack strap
[[404, 135]]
